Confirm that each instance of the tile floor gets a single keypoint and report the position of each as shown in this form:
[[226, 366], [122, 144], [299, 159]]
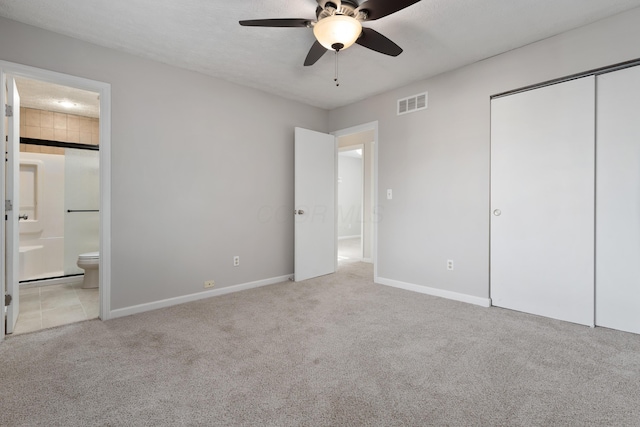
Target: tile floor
[[55, 305]]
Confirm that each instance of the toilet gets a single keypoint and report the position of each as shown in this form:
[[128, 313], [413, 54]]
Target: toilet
[[90, 262]]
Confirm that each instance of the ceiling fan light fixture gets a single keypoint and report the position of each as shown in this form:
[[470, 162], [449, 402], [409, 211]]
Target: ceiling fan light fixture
[[337, 32]]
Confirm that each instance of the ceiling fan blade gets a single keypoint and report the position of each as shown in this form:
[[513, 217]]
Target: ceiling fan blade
[[375, 41], [377, 9], [289, 22], [316, 52]]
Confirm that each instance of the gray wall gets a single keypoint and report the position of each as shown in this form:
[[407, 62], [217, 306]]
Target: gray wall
[[193, 184], [350, 188], [202, 169], [437, 161]]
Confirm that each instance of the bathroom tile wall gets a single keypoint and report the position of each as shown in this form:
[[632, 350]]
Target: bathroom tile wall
[[52, 126]]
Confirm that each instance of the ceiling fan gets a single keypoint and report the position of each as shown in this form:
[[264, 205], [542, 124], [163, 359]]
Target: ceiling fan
[[338, 25]]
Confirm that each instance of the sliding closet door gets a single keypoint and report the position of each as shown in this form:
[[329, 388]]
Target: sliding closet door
[[542, 201], [618, 201]]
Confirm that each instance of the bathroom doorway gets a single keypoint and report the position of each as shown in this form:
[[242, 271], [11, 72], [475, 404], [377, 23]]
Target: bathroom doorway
[[58, 176], [59, 181]]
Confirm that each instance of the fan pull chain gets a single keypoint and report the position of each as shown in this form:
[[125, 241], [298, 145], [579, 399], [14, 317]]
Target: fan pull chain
[[335, 79]]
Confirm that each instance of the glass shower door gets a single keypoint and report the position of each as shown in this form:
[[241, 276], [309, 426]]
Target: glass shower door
[[81, 204]]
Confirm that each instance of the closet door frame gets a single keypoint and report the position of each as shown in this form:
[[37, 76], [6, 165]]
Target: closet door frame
[[600, 317]]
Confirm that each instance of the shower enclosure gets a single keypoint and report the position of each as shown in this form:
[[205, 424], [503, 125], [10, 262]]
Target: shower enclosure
[[82, 200], [59, 208]]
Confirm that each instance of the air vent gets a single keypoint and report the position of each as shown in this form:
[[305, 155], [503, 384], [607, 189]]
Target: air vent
[[412, 103]]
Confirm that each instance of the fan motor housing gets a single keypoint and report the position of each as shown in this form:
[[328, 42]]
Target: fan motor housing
[[346, 8]]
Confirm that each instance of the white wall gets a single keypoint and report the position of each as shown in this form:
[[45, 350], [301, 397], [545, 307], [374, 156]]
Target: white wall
[[199, 166], [350, 188], [437, 161]]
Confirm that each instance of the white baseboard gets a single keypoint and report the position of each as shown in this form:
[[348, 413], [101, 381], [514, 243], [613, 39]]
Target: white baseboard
[[484, 302], [349, 237], [141, 308], [368, 260]]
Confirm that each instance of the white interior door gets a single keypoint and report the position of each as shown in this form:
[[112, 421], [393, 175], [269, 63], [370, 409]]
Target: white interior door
[[542, 201], [618, 201], [315, 204], [12, 194]]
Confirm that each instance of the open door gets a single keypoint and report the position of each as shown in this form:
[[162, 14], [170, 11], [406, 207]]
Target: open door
[[12, 193], [315, 204]]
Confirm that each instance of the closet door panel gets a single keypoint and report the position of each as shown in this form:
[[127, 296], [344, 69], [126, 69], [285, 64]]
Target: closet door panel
[[542, 201], [618, 201]]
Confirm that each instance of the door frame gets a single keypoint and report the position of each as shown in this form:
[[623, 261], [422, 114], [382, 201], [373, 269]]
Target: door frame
[[11, 191], [376, 215], [104, 90]]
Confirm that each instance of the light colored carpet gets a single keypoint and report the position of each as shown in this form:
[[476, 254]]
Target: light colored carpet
[[338, 350]]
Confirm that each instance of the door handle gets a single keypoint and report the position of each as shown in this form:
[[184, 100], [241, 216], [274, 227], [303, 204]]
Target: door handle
[[497, 212], [300, 212], [23, 216]]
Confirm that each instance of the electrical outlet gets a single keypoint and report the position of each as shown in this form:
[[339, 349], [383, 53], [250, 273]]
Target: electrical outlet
[[236, 261], [389, 194], [209, 284], [449, 264]]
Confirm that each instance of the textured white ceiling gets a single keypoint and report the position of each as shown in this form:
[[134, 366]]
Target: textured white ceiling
[[204, 35]]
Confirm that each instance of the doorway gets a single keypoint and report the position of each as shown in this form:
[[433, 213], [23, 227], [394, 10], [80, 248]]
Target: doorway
[[357, 217], [59, 221], [350, 204], [316, 198], [63, 132]]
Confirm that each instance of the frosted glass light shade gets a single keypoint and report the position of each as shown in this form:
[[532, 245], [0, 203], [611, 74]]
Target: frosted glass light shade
[[337, 29]]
